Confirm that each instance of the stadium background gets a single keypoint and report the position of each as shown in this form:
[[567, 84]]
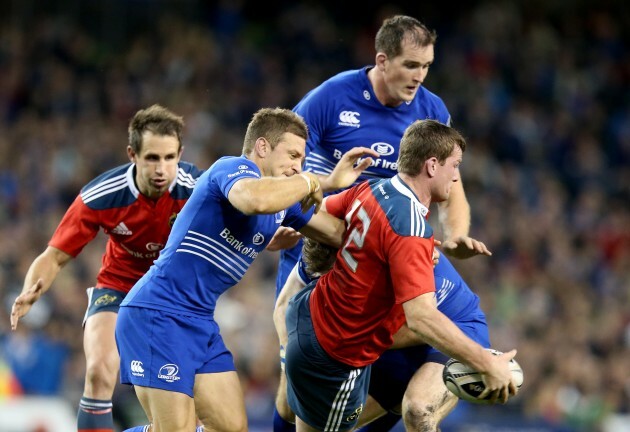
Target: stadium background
[[539, 88]]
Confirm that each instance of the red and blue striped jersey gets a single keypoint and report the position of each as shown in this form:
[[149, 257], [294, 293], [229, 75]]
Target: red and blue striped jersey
[[385, 260], [137, 226]]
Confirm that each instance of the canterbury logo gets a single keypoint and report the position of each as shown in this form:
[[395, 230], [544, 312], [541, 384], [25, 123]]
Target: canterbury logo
[[121, 229], [349, 118], [136, 368]]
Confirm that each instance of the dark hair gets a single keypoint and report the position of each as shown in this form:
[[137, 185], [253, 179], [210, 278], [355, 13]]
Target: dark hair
[[156, 119], [425, 139], [271, 124], [318, 257], [396, 29]]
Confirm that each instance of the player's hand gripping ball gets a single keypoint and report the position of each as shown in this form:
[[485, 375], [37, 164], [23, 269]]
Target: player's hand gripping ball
[[466, 383]]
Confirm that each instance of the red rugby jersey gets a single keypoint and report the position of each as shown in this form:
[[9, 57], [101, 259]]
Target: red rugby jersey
[[386, 260], [136, 225]]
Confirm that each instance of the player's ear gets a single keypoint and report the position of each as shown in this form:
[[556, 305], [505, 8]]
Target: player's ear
[[431, 165], [262, 147], [131, 154], [380, 60]]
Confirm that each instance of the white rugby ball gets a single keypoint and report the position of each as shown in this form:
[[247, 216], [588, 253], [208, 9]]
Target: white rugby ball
[[466, 383]]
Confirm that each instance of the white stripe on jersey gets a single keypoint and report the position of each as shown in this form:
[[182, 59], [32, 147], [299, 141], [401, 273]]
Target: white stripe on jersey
[[318, 164], [213, 251], [443, 291], [209, 260], [335, 417], [110, 186], [418, 222], [185, 179]]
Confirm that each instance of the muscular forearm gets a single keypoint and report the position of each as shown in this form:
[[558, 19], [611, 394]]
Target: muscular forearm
[[269, 195], [441, 333], [45, 267]]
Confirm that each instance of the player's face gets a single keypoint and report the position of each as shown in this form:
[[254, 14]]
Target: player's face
[[404, 74], [446, 175], [287, 157], [156, 163]]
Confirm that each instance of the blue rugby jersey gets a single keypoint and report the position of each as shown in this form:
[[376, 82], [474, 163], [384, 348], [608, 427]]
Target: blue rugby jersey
[[343, 113], [212, 244]]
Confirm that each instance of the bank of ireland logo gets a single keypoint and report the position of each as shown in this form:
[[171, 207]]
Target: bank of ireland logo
[[383, 148], [349, 118], [136, 368], [243, 167], [258, 239], [169, 372]]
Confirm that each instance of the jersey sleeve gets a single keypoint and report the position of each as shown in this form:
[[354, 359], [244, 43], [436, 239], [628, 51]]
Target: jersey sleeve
[[227, 171], [78, 227], [339, 204], [411, 265], [295, 218]]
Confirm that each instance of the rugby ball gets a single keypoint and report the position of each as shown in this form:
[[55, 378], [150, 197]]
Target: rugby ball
[[466, 383]]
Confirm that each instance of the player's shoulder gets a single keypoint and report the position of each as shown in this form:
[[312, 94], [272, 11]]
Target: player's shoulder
[[187, 175], [341, 82], [405, 214], [433, 105], [114, 188], [231, 167]]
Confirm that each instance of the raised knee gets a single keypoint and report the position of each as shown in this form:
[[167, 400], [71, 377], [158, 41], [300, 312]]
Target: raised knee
[[420, 416]]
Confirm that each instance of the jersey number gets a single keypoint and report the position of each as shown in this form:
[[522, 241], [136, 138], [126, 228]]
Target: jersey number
[[356, 236]]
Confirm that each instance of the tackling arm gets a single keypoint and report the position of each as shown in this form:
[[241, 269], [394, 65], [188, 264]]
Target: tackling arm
[[38, 280], [270, 195]]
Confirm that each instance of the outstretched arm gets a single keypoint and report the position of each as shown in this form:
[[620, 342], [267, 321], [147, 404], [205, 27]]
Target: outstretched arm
[[38, 280], [454, 216], [270, 195]]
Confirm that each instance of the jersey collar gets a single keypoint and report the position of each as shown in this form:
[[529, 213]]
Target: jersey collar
[[402, 187]]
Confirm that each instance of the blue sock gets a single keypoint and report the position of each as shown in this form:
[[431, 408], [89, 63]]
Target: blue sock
[[95, 415], [280, 424]]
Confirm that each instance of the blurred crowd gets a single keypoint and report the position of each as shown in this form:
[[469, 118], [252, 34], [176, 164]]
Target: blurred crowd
[[541, 90]]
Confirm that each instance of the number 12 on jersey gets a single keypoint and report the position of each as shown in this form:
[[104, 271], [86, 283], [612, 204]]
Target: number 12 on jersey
[[357, 235]]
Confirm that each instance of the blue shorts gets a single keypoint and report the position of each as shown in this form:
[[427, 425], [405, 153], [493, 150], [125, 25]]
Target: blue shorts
[[102, 300], [288, 259], [394, 369], [166, 350], [324, 393]]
